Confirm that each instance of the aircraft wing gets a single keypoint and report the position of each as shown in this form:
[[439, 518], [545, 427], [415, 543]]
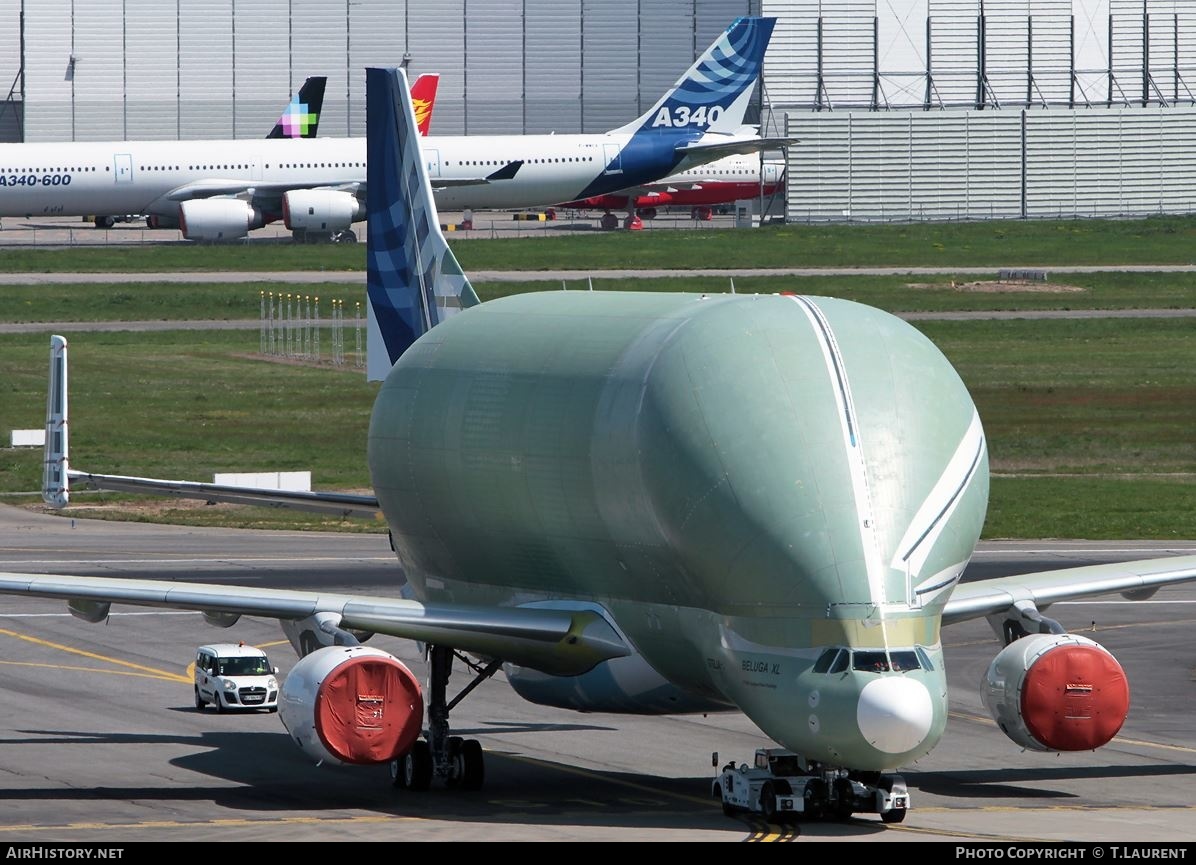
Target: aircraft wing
[[560, 642], [214, 188], [341, 504], [257, 190], [1135, 580]]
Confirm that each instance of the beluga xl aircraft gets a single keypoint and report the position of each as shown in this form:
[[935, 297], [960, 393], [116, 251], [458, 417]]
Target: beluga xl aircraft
[[649, 503]]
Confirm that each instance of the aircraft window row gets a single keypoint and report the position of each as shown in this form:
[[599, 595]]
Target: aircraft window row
[[502, 162], [159, 168], [45, 170], [214, 167], [873, 660], [320, 165]]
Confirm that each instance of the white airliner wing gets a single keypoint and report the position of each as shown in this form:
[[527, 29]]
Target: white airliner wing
[[257, 190], [560, 642], [1135, 580]]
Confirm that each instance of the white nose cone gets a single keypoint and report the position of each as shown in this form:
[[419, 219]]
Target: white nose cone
[[895, 714]]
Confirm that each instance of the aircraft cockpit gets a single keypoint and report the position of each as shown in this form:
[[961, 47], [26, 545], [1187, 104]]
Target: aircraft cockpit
[[842, 659]]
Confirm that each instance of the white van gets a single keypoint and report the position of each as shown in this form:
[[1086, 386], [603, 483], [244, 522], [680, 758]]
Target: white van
[[235, 676]]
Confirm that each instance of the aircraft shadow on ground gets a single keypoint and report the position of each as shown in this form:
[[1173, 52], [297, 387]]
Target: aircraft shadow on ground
[[1003, 783], [269, 776]]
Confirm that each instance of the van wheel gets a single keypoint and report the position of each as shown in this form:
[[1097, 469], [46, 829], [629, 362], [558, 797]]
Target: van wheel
[[219, 703], [199, 701]]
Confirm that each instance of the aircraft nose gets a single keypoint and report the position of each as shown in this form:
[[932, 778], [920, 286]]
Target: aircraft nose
[[895, 714]]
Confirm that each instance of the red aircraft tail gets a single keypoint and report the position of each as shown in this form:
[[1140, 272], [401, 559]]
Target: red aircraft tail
[[423, 98]]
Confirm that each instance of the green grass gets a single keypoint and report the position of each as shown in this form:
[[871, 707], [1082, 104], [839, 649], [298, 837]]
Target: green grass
[[1009, 243], [1090, 422], [187, 404], [243, 300], [97, 302]]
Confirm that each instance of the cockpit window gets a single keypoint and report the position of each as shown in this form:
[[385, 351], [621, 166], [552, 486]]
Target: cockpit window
[[884, 662], [824, 660], [841, 662], [927, 664]]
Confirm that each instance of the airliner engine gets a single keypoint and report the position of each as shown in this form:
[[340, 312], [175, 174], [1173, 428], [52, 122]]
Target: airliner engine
[[321, 211], [1056, 692], [351, 705], [218, 219]]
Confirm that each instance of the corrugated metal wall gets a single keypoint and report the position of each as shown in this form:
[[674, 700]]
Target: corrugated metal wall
[[917, 165], [226, 68]]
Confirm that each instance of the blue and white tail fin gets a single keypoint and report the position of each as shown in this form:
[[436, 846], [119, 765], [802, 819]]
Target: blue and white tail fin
[[414, 281], [301, 118], [714, 94]]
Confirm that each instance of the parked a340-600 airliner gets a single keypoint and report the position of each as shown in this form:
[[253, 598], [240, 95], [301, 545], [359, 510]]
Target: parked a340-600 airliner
[[654, 503], [222, 190]]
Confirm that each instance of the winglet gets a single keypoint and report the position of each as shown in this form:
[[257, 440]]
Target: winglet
[[713, 95], [55, 482], [414, 281], [301, 119]]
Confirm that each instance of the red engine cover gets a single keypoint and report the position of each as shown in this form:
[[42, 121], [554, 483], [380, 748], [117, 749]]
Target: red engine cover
[[1075, 698], [369, 710]]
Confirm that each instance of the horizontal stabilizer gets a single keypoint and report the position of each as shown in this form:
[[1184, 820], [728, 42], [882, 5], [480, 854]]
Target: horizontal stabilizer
[[707, 150]]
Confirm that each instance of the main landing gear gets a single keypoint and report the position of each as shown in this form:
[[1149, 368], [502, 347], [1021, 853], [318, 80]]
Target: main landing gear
[[632, 222], [457, 761]]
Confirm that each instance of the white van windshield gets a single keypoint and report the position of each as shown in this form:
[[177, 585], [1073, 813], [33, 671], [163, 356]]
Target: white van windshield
[[242, 667]]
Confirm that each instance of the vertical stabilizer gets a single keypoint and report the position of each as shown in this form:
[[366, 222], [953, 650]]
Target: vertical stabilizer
[[55, 485], [713, 95], [301, 118], [414, 281], [423, 98]]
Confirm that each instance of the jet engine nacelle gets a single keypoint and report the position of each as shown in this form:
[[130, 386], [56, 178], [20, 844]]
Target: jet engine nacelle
[[351, 705], [320, 210], [1056, 692], [218, 219]]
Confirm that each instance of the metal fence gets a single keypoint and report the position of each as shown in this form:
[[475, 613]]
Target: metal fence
[[941, 165]]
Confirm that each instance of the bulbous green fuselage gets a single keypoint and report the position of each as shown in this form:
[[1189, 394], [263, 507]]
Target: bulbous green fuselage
[[744, 483]]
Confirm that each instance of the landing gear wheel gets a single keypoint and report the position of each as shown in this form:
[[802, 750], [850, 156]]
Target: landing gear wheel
[[472, 764], [728, 808], [105, 221], [842, 808], [199, 701], [347, 236], [415, 767], [768, 802], [609, 222], [894, 816], [453, 746]]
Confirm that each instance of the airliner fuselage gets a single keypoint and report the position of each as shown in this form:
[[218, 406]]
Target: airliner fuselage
[[154, 177]]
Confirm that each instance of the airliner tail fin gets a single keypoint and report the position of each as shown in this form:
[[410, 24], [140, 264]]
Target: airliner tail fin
[[423, 98], [713, 95], [414, 281], [301, 118]]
